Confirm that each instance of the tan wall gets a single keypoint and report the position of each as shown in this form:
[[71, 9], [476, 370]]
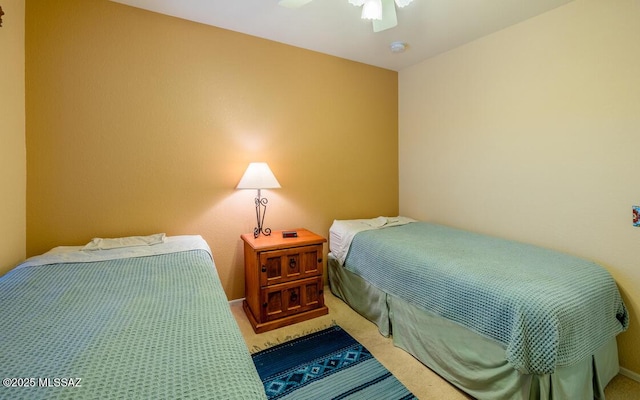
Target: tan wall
[[13, 174], [532, 134], [140, 123]]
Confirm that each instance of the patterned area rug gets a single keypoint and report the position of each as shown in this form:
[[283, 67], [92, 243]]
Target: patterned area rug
[[328, 364]]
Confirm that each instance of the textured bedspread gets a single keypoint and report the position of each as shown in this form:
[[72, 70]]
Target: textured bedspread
[[147, 327], [547, 308]]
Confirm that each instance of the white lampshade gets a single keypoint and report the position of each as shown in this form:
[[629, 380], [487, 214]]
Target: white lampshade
[[356, 3], [372, 9], [258, 176]]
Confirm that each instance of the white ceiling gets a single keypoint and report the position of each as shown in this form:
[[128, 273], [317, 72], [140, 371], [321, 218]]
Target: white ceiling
[[334, 27]]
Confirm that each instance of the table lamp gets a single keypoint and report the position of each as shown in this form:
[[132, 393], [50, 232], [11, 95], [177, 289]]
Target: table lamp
[[259, 176]]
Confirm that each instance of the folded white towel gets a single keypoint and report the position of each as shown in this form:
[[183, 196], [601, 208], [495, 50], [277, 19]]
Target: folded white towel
[[130, 241]]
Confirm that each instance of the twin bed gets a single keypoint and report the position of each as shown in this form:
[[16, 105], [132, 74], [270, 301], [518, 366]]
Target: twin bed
[[496, 318], [122, 319]]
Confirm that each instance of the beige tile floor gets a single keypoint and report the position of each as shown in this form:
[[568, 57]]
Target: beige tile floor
[[423, 382]]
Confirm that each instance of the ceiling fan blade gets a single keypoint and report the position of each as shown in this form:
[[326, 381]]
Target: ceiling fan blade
[[389, 18], [293, 3]]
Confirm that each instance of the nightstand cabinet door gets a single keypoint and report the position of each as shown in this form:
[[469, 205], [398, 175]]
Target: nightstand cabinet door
[[291, 298], [279, 266]]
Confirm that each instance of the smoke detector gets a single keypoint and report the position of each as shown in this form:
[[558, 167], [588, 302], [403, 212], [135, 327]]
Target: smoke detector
[[398, 47]]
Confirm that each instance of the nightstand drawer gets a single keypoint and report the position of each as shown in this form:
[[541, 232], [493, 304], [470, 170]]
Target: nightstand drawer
[[285, 265], [291, 298]]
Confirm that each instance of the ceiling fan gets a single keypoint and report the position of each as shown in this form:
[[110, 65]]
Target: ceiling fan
[[382, 13]]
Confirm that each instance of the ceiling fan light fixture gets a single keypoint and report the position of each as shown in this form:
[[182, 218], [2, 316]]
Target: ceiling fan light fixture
[[372, 9], [403, 3]]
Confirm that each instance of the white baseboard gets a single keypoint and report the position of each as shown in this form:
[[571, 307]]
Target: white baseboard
[[236, 301], [630, 374]]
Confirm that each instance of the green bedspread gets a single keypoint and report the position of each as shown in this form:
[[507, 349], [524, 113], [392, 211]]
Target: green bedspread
[[547, 308], [156, 327]]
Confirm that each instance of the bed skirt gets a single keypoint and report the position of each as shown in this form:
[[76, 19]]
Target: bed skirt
[[473, 363]]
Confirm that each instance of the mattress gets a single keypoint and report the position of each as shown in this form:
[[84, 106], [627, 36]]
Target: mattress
[[153, 325]]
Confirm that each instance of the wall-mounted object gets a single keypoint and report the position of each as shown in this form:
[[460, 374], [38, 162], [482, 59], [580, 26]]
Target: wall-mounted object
[[636, 216], [1, 14], [259, 176]]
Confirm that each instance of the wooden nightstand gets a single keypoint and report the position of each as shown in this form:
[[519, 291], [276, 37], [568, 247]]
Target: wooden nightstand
[[283, 279]]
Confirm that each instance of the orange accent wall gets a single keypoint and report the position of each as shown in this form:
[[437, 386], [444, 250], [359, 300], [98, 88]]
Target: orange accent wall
[[140, 123]]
